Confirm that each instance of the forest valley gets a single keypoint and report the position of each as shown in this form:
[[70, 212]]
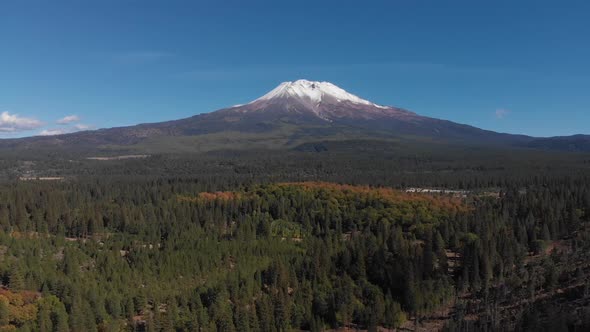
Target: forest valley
[[325, 241]]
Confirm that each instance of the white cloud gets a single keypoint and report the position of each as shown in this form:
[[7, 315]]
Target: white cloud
[[81, 126], [65, 130], [10, 123], [501, 113], [68, 119], [52, 132]]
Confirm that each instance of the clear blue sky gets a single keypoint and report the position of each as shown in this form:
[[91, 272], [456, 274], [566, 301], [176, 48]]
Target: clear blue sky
[[510, 66]]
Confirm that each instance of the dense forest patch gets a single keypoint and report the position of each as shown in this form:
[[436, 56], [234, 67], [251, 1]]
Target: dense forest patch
[[408, 204], [165, 254]]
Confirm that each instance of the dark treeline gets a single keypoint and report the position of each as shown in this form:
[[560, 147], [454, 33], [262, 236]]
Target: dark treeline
[[363, 162]]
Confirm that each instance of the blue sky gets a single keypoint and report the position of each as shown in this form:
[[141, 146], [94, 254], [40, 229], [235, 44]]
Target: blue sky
[[510, 66]]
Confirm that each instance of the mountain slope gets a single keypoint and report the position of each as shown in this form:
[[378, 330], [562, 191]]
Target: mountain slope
[[292, 113]]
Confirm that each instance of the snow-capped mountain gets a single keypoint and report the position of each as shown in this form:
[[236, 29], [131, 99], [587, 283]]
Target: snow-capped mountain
[[290, 114], [315, 92], [322, 99]]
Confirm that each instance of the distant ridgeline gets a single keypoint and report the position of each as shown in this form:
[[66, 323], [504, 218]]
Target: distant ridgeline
[[169, 255]]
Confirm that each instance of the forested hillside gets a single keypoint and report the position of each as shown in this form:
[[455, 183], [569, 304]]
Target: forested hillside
[[237, 249]]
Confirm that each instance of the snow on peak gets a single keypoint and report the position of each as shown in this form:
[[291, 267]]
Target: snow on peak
[[315, 92]]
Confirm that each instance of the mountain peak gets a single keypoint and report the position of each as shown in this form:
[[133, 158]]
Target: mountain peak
[[313, 92]]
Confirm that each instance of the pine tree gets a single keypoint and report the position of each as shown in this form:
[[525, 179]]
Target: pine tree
[[243, 321], [16, 279], [52, 315], [4, 311]]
